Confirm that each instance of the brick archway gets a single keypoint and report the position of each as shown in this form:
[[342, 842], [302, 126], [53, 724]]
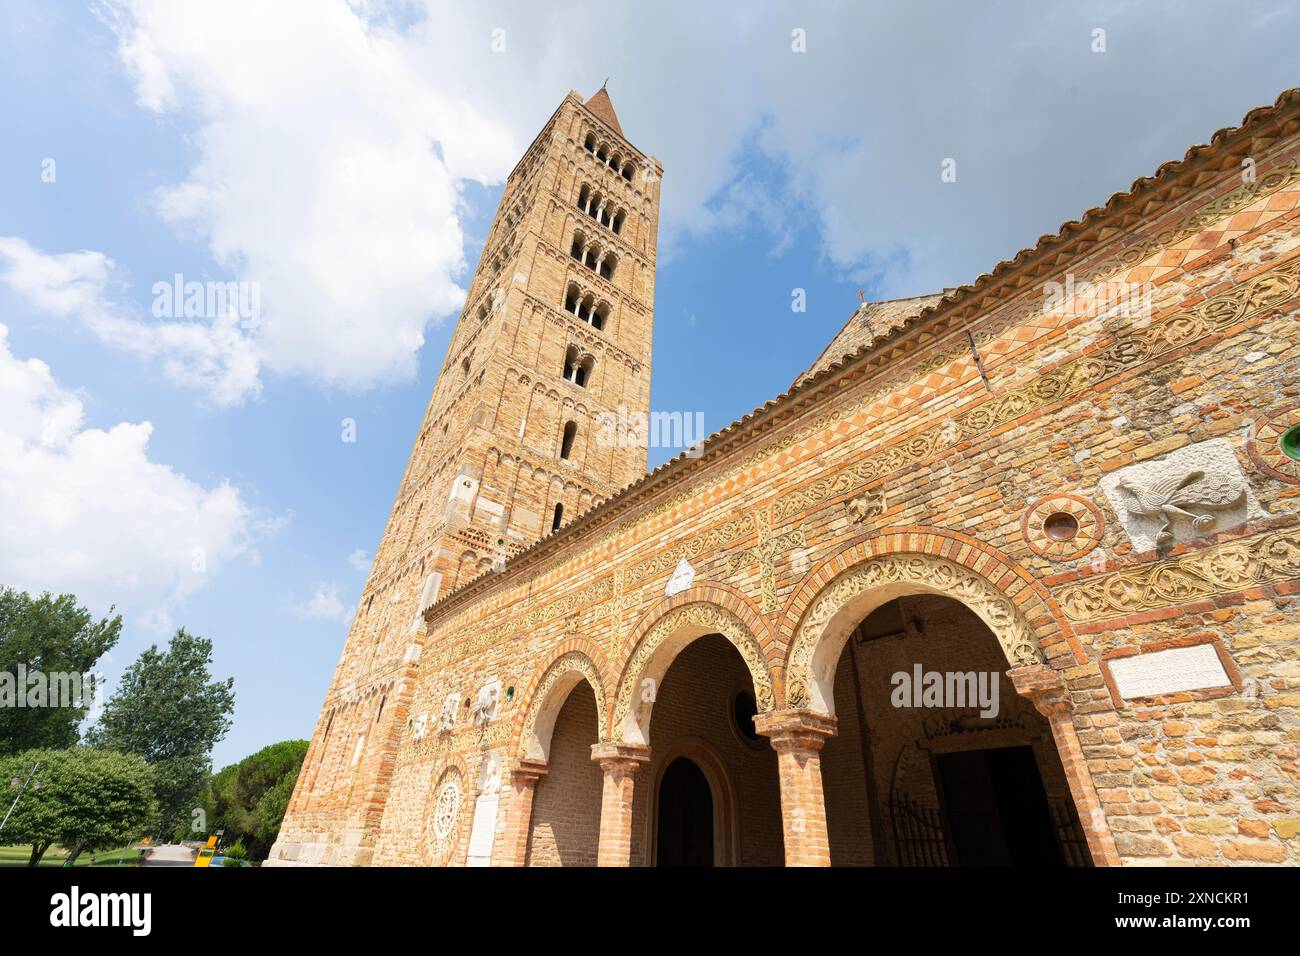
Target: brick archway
[[1029, 627], [665, 630], [871, 571], [574, 660]]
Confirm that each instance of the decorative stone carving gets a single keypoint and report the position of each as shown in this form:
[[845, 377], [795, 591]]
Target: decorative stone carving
[[1047, 520], [710, 619], [1126, 352], [1236, 566], [869, 504], [1183, 495], [444, 815], [925, 573], [681, 579], [764, 553], [1265, 444], [485, 704], [447, 720]]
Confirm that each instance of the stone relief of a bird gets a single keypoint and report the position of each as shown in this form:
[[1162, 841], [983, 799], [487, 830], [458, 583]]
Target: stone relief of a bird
[[1188, 495]]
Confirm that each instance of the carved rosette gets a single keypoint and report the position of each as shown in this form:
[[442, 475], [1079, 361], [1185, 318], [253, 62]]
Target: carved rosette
[[443, 823], [1265, 444], [712, 619], [928, 573], [1040, 538], [570, 662]]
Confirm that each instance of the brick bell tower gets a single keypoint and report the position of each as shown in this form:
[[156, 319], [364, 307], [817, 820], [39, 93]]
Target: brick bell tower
[[555, 335]]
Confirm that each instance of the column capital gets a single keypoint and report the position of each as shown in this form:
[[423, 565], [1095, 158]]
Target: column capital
[[796, 728], [528, 772], [1044, 687], [620, 756]]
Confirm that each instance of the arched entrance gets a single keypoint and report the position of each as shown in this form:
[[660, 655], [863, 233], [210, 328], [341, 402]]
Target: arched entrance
[[938, 762], [693, 682], [684, 825], [917, 661]]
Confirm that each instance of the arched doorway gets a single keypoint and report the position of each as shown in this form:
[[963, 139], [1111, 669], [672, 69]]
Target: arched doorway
[[684, 830], [938, 762], [697, 710]]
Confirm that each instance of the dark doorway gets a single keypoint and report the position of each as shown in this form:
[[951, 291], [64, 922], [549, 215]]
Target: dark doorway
[[996, 808], [685, 816]]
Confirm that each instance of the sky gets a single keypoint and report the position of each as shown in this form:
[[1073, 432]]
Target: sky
[[341, 164]]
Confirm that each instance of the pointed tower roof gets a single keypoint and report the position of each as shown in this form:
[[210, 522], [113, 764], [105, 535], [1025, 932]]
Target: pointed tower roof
[[600, 104]]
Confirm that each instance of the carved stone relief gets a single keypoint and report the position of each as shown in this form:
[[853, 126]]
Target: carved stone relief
[[1189, 493], [1252, 562], [485, 704], [869, 504]]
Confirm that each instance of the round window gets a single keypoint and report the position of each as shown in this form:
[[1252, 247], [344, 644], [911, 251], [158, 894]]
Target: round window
[[1291, 442], [1061, 526], [743, 711]]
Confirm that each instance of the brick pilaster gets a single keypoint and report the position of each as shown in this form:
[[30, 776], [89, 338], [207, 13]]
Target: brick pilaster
[[619, 762], [1045, 689], [798, 737], [519, 817]]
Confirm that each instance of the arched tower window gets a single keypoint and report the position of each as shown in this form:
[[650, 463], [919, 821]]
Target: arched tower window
[[577, 366], [559, 516], [566, 442]]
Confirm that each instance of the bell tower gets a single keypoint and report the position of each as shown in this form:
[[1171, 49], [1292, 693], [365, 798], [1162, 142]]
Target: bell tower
[[554, 340]]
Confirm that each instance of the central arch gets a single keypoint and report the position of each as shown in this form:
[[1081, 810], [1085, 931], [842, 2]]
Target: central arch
[[663, 636], [866, 575]]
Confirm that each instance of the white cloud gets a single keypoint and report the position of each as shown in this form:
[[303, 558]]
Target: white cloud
[[328, 171], [359, 560], [333, 139], [324, 605], [214, 357], [85, 509]]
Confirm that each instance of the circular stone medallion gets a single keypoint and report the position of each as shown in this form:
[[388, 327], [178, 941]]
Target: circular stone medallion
[[1062, 527], [1274, 443], [443, 817]]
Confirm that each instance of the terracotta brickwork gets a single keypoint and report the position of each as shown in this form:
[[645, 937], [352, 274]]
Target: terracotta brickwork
[[947, 457]]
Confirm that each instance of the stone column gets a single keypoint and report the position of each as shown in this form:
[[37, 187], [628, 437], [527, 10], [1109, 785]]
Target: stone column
[[619, 763], [798, 736], [519, 817], [1045, 689]]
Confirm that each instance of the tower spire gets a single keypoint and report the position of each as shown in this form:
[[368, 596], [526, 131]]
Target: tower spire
[[602, 106]]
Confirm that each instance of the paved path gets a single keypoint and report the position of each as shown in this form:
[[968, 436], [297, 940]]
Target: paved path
[[169, 854]]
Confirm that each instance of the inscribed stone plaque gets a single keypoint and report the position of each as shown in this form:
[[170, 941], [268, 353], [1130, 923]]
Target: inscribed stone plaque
[[484, 830], [1168, 672]]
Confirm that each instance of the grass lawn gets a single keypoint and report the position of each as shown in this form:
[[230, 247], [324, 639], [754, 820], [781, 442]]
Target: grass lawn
[[54, 856]]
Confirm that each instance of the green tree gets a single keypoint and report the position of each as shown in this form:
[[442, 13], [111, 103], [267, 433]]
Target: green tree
[[51, 635], [169, 710], [87, 799], [248, 799]]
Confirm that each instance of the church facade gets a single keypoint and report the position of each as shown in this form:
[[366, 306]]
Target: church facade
[[1009, 576]]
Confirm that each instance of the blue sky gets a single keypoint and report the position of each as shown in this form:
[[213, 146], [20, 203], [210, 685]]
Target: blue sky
[[349, 159]]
